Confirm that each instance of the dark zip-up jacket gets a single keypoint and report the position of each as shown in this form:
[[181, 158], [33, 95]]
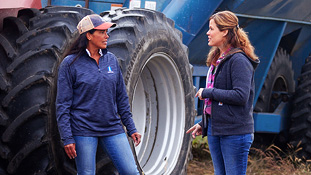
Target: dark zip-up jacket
[[91, 97], [232, 96]]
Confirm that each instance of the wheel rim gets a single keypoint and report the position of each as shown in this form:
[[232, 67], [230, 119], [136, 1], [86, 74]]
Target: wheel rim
[[159, 114], [279, 86]]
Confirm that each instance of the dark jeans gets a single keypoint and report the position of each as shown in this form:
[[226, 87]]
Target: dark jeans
[[230, 153], [117, 147]]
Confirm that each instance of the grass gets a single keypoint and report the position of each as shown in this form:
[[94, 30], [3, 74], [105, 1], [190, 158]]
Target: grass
[[271, 161]]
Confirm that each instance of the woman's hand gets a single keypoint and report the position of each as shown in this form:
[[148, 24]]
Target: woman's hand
[[199, 94], [136, 138], [70, 150], [196, 130]]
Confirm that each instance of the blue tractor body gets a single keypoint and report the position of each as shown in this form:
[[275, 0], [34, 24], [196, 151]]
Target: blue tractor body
[[270, 25]]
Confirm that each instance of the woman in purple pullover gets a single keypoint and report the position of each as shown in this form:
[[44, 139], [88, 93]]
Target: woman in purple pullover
[[92, 102]]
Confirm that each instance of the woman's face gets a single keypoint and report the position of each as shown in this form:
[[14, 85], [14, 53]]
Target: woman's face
[[98, 39], [215, 36]]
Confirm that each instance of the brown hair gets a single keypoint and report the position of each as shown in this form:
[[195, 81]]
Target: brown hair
[[79, 46], [236, 37]]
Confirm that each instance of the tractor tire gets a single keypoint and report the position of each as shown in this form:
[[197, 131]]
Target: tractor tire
[[300, 129], [280, 78], [155, 68], [158, 78], [32, 46]]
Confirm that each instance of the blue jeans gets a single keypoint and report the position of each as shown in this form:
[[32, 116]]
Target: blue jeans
[[117, 147], [230, 153]]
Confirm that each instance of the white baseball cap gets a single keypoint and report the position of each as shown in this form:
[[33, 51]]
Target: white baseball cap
[[93, 21]]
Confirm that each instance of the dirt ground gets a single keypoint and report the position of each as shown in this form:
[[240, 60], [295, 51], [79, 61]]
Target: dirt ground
[[200, 167]]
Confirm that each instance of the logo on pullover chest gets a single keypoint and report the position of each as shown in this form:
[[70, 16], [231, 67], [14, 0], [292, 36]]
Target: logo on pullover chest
[[110, 70]]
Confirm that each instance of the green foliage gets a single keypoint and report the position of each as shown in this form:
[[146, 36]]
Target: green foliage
[[200, 142], [200, 148]]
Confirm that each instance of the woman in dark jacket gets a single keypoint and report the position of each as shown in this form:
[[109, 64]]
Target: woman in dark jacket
[[228, 96]]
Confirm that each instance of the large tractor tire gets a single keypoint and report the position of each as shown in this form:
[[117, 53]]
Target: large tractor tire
[[159, 83], [278, 84], [32, 46], [155, 68], [300, 129]]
